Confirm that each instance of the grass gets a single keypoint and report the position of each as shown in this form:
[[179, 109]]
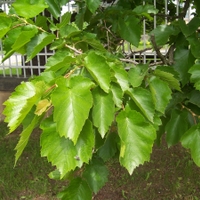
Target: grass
[[29, 178], [170, 175]]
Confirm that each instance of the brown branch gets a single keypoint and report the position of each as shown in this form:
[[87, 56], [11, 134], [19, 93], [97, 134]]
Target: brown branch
[[157, 49], [129, 61]]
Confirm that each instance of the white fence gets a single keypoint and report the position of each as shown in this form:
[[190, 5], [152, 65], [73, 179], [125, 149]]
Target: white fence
[[15, 65]]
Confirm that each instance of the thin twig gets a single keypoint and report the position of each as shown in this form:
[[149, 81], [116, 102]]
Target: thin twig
[[73, 49], [157, 49], [129, 61]]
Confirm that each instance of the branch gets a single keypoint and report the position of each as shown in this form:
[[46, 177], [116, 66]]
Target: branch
[[129, 61], [73, 49], [157, 49]]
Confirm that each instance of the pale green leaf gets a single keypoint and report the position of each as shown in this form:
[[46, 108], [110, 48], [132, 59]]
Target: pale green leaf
[[24, 137], [191, 140], [128, 31], [99, 69], [195, 75], [93, 5], [103, 110], [69, 30], [143, 99], [21, 40], [137, 138], [117, 94], [96, 174], [61, 59], [20, 103], [168, 78], [77, 189], [62, 152], [121, 75], [29, 8], [5, 24], [176, 127], [71, 106], [38, 43], [161, 93], [137, 74]]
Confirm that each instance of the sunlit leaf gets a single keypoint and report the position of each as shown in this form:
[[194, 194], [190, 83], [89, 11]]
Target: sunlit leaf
[[72, 105], [161, 93], [62, 152], [5, 24], [137, 138], [103, 110], [137, 74], [38, 43], [20, 103], [29, 8], [144, 101], [99, 69]]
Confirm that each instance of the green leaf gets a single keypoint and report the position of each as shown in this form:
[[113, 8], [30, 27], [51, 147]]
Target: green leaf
[[109, 148], [195, 77], [38, 43], [191, 27], [163, 32], [194, 45], [128, 31], [64, 20], [5, 24], [90, 39], [168, 78], [191, 140], [72, 102], [93, 5], [103, 110], [117, 94], [194, 97], [137, 74], [23, 38], [99, 69], [143, 99], [142, 9], [96, 174], [54, 8], [29, 8], [61, 151], [20, 103], [183, 61], [69, 31], [176, 127], [61, 59], [77, 189], [161, 93], [121, 75], [137, 138], [24, 137]]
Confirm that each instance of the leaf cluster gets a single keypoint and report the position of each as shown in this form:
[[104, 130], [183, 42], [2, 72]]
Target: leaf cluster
[[94, 102]]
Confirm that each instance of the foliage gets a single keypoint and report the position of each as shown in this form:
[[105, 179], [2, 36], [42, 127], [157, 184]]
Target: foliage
[[103, 103]]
